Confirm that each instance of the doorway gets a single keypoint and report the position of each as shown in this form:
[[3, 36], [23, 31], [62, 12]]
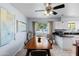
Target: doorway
[[41, 29]]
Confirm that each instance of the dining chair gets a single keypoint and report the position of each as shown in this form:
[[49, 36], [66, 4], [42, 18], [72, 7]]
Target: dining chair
[[38, 53], [49, 37], [29, 35]]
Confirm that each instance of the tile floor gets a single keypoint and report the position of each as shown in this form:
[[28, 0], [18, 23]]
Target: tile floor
[[56, 51]]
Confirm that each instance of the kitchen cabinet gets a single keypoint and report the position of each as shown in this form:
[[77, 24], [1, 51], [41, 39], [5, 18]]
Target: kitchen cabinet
[[68, 43], [64, 42]]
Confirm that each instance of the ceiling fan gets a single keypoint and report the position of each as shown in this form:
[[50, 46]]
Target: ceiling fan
[[51, 10]]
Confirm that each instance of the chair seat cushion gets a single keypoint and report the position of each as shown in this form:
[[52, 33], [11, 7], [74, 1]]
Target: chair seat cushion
[[38, 53]]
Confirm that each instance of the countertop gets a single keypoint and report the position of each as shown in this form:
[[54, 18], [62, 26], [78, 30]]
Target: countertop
[[66, 34]]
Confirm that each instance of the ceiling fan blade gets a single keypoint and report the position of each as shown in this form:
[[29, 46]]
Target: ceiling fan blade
[[39, 10], [55, 13], [59, 6]]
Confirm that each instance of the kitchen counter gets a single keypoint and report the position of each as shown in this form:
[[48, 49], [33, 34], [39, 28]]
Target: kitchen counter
[[63, 35], [71, 33], [65, 40]]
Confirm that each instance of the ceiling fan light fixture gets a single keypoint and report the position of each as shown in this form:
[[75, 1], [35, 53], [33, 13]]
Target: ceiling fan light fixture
[[49, 10], [45, 13], [48, 13]]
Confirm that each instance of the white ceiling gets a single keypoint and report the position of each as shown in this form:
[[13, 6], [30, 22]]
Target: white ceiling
[[28, 9]]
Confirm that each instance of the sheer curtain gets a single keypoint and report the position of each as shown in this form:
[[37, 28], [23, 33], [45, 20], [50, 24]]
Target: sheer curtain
[[33, 27]]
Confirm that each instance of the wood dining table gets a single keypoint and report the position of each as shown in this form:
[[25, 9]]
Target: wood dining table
[[34, 44]]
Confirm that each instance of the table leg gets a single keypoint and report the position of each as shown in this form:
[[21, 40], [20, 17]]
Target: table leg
[[77, 51], [28, 51], [49, 54]]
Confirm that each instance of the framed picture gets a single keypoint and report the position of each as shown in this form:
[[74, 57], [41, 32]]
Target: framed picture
[[7, 27], [20, 26]]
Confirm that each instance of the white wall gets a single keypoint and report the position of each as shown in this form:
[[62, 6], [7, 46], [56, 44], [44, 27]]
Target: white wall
[[15, 45], [65, 20], [13, 10], [58, 25], [18, 15], [29, 25]]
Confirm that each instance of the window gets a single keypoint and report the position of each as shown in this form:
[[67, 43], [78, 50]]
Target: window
[[41, 28], [71, 26]]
